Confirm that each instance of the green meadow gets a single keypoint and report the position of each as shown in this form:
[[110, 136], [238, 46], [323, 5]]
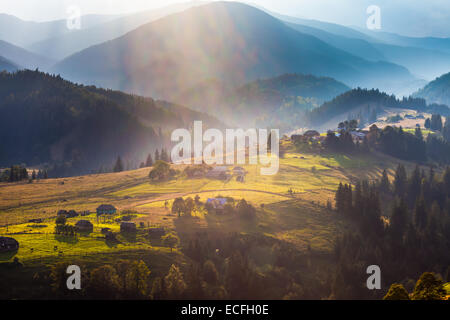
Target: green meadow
[[291, 207]]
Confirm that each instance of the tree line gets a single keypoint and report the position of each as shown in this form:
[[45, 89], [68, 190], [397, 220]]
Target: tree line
[[408, 235]]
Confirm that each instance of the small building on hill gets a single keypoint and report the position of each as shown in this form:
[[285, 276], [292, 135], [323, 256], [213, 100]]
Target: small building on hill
[[127, 226], [218, 204], [84, 226], [311, 134], [219, 172], [156, 232], [358, 136], [8, 244], [238, 170], [106, 209], [72, 214], [62, 212]]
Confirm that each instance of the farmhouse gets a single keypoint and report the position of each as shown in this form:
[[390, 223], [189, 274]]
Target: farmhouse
[[311, 134], [218, 204], [8, 244], [156, 232], [238, 170], [84, 226], [219, 172], [127, 226], [357, 136], [62, 212], [72, 214], [68, 214], [106, 209]]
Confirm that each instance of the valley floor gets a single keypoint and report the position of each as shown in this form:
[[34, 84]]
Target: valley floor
[[291, 208]]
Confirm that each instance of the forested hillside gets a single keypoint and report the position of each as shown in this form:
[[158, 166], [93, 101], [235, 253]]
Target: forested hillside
[[49, 120]]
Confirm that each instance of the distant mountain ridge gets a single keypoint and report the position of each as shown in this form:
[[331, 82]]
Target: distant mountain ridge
[[281, 101], [437, 91], [22, 57], [6, 65], [239, 45], [63, 45], [366, 103]]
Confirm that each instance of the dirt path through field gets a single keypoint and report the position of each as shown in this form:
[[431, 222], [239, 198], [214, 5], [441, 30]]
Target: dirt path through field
[[184, 194]]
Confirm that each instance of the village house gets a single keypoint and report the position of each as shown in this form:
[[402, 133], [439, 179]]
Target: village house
[[238, 170], [8, 244], [357, 136], [84, 226], [311, 134], [156, 232], [68, 214], [106, 209], [127, 226], [219, 172], [218, 204]]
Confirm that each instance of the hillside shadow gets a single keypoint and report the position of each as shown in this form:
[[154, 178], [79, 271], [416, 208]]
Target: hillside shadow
[[66, 239], [6, 256], [112, 243], [186, 226], [129, 236]]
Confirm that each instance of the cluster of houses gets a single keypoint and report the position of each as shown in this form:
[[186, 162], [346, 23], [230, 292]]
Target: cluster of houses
[[313, 135], [223, 173], [218, 204], [85, 226]]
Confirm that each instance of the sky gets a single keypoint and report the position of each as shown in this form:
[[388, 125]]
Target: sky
[[408, 17]]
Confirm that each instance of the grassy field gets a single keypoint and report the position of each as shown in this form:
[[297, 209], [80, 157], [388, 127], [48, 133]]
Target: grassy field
[[291, 206]]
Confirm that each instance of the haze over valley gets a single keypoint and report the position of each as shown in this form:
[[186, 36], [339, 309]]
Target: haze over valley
[[349, 108]]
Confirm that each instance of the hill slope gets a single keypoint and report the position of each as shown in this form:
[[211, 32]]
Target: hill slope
[[23, 57], [64, 45], [24, 33], [360, 104], [232, 42], [49, 120], [281, 101], [422, 62], [6, 65], [437, 91]]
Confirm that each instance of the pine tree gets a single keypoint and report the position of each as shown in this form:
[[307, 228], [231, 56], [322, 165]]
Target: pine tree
[[420, 213], [385, 185], [399, 220], [436, 122], [12, 177], [340, 198], [446, 129], [149, 162], [400, 181], [164, 155], [157, 155], [418, 134], [414, 185], [118, 167]]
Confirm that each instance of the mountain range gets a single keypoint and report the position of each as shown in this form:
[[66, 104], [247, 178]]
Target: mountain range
[[252, 67], [6, 65], [437, 91], [281, 102], [60, 46], [240, 44]]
